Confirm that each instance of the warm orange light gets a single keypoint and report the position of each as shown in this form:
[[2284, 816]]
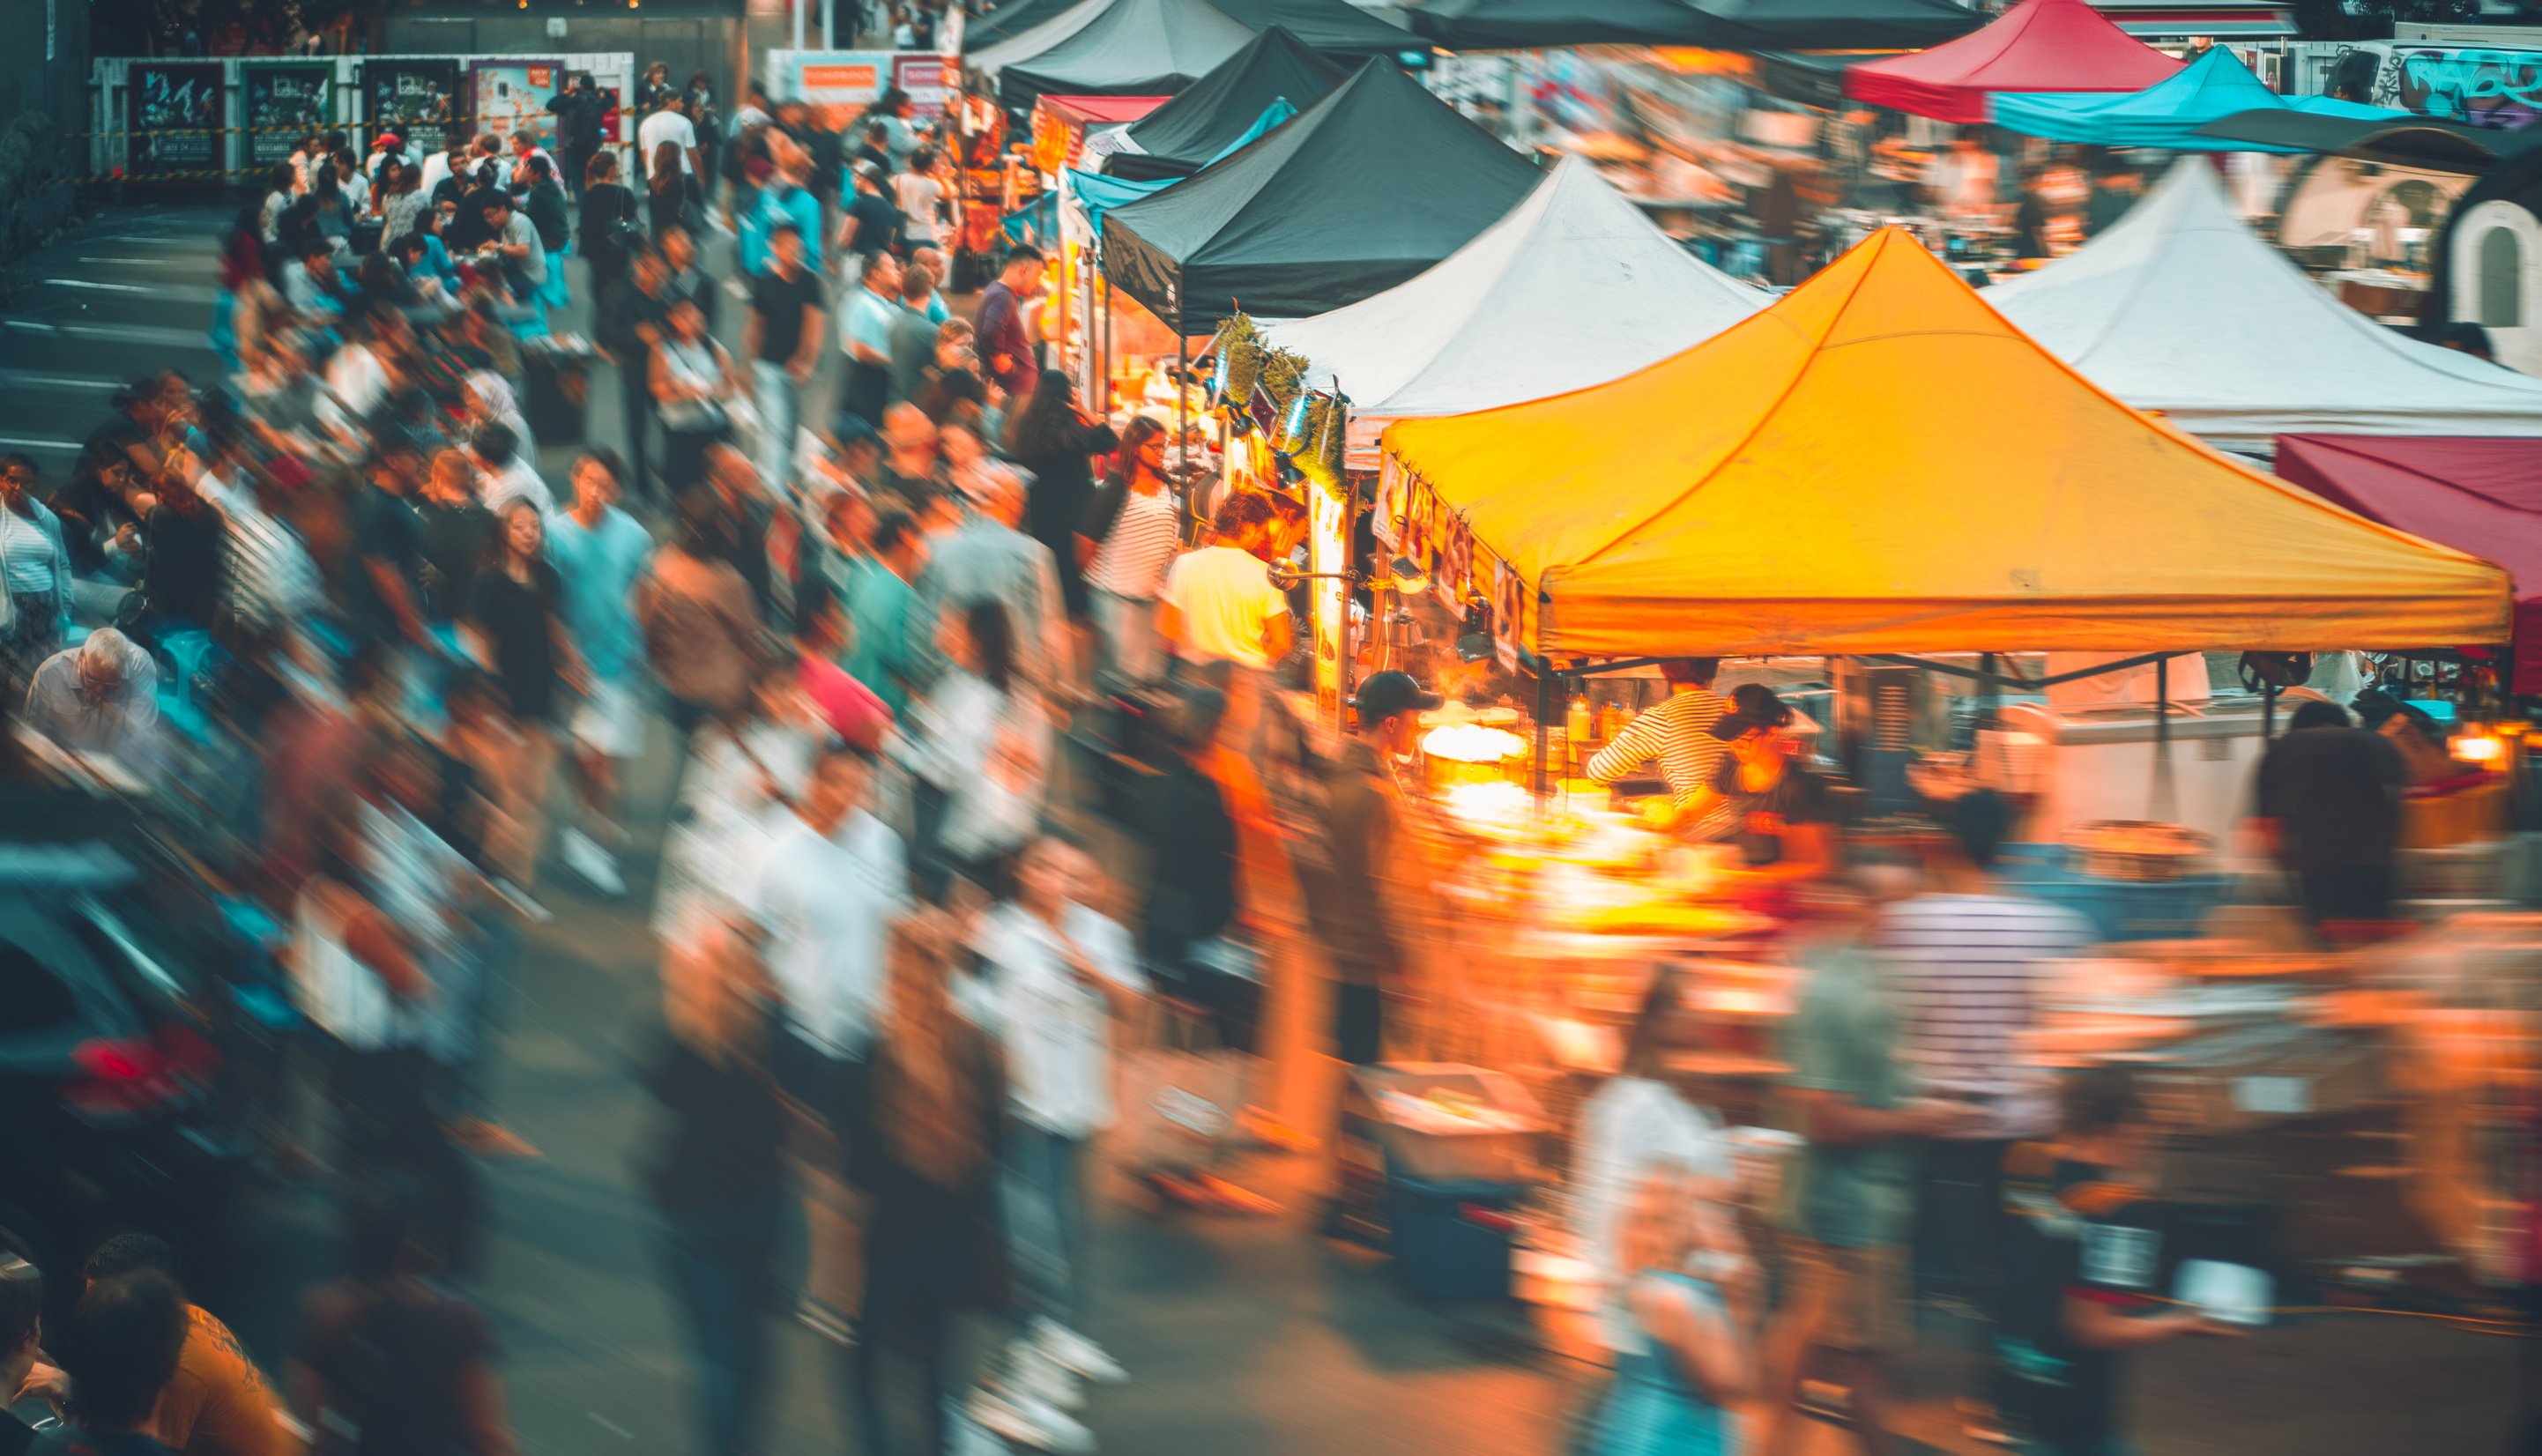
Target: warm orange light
[[2478, 748]]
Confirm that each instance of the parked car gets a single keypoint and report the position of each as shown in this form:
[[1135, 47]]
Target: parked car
[[115, 1019]]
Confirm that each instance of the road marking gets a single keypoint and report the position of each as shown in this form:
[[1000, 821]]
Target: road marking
[[20, 379], [101, 287], [24, 442], [611, 1427], [147, 263], [134, 333], [173, 292]]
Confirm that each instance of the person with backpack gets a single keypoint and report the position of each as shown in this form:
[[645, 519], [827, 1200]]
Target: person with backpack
[[580, 112]]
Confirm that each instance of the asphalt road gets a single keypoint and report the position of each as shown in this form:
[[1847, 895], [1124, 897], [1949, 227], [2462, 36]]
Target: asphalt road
[[1244, 1338]]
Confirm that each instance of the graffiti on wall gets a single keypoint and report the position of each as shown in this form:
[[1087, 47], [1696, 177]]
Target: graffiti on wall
[[2483, 85]]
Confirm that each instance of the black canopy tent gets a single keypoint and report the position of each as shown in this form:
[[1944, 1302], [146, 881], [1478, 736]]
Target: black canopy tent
[[1332, 27], [1180, 137], [1718, 25], [1356, 193], [2422, 142], [1132, 47], [1012, 18]]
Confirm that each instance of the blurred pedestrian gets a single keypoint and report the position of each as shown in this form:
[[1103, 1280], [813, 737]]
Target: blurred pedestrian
[[2329, 807], [984, 744], [515, 629], [22, 1337], [1057, 441], [1006, 352], [218, 1403], [865, 337], [782, 340], [1678, 1254], [602, 556], [692, 381], [988, 557], [1137, 525], [34, 576], [119, 1350], [700, 626]]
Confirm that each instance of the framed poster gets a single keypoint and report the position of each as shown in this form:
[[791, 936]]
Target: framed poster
[[281, 104], [928, 79], [504, 96], [175, 121], [416, 98]]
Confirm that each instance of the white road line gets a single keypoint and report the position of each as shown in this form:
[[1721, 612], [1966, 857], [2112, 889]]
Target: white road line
[[147, 263], [101, 287], [133, 334], [21, 379], [25, 442]]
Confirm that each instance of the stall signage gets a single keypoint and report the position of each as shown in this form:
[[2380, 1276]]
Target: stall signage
[[416, 100], [282, 104], [508, 96], [927, 80], [841, 78], [175, 116]]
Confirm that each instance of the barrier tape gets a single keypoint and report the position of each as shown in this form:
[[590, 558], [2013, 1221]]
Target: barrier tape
[[154, 177], [322, 129]]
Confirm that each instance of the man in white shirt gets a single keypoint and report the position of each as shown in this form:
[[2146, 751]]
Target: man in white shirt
[[670, 124], [508, 475], [437, 167], [1053, 974]]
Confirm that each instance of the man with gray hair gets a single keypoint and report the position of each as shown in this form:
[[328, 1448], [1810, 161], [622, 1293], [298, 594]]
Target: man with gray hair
[[99, 699], [990, 558]]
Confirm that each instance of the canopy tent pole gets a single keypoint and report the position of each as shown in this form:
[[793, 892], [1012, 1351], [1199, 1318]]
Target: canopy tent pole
[[1543, 715], [2166, 802], [1182, 408], [2268, 711]]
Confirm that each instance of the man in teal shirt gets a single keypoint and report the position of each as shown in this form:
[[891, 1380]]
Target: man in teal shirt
[[874, 588], [1852, 1217]]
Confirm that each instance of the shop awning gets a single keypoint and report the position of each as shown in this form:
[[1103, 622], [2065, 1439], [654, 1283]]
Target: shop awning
[[2418, 141], [2242, 19], [1126, 48], [2180, 307], [1573, 288], [1360, 192], [1715, 25], [2036, 45], [2169, 113], [1879, 463], [1180, 137], [1061, 124], [2476, 496], [1333, 27]]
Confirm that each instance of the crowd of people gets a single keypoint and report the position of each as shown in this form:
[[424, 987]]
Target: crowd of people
[[395, 676]]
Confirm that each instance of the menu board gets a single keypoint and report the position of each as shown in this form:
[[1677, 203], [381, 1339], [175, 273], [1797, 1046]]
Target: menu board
[[416, 98], [928, 79], [281, 104], [175, 117], [509, 95]]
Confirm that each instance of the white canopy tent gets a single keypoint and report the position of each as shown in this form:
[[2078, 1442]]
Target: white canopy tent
[[1573, 287], [2180, 310]]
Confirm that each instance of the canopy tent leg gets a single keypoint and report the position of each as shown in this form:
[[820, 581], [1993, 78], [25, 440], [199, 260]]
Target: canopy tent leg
[[1182, 454], [1543, 715], [2166, 800], [2267, 713]]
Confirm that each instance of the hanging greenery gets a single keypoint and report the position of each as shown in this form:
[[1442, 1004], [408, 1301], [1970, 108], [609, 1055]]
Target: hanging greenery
[[1316, 445]]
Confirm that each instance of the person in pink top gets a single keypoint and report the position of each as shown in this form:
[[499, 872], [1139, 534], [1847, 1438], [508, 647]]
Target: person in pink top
[[849, 707]]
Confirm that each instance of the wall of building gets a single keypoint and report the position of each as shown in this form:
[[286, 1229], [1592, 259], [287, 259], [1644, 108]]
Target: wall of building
[[43, 94]]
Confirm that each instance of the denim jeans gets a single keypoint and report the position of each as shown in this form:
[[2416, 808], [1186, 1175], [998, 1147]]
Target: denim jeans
[[779, 406], [1044, 1188], [1126, 636], [718, 1258]]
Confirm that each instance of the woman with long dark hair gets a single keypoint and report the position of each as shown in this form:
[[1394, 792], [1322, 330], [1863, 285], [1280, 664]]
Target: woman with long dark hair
[[515, 629], [1057, 442], [1139, 527], [608, 212]]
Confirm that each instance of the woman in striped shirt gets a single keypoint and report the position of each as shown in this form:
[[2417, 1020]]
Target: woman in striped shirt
[[1137, 522]]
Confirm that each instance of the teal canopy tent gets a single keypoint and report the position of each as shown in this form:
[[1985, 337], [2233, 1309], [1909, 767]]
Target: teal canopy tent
[[2168, 112], [1098, 193]]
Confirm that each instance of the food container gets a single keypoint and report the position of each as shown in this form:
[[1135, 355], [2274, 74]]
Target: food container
[[2138, 850], [1444, 1122]]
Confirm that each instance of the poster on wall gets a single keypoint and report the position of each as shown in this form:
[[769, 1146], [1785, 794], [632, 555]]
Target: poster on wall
[[280, 105], [839, 83], [928, 79], [418, 99], [175, 119], [507, 94]]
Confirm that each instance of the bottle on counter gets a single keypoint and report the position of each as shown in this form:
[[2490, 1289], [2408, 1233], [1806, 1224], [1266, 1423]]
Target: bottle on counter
[[1577, 723]]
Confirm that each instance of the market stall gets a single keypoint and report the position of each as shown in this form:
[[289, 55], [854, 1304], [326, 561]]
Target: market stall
[[2058, 45], [1721, 25], [1315, 216], [2474, 494], [2179, 308], [1216, 113], [1124, 47], [1063, 125], [1573, 288], [1333, 27], [2167, 115]]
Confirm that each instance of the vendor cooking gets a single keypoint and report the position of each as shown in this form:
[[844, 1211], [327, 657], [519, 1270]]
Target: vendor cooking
[[1767, 802], [1677, 732]]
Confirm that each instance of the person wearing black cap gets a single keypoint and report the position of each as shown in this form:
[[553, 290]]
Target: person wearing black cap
[[1780, 815], [1352, 910]]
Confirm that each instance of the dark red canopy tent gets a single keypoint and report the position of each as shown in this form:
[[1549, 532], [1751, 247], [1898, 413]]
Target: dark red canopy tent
[[2476, 494], [2037, 46]]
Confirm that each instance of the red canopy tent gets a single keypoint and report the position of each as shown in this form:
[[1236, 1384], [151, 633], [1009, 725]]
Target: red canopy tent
[[2037, 46], [1060, 122], [2482, 495]]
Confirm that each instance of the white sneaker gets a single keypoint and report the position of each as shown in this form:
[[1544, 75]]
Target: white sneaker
[[1032, 1372], [1029, 1423], [964, 1435], [1075, 1352]]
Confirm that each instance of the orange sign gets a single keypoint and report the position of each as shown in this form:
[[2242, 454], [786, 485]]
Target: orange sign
[[842, 78]]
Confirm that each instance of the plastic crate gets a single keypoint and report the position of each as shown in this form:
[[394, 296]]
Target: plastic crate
[[1450, 1239], [1476, 1155], [2119, 910]]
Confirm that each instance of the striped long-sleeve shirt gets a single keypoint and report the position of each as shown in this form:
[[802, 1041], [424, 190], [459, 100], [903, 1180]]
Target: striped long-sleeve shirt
[[1968, 970], [1677, 733]]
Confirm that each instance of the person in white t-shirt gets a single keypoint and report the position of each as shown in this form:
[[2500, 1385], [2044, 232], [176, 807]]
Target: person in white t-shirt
[[1054, 974], [671, 124]]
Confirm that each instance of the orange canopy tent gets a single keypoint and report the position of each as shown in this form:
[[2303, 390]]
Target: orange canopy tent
[[1879, 463], [2061, 45]]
